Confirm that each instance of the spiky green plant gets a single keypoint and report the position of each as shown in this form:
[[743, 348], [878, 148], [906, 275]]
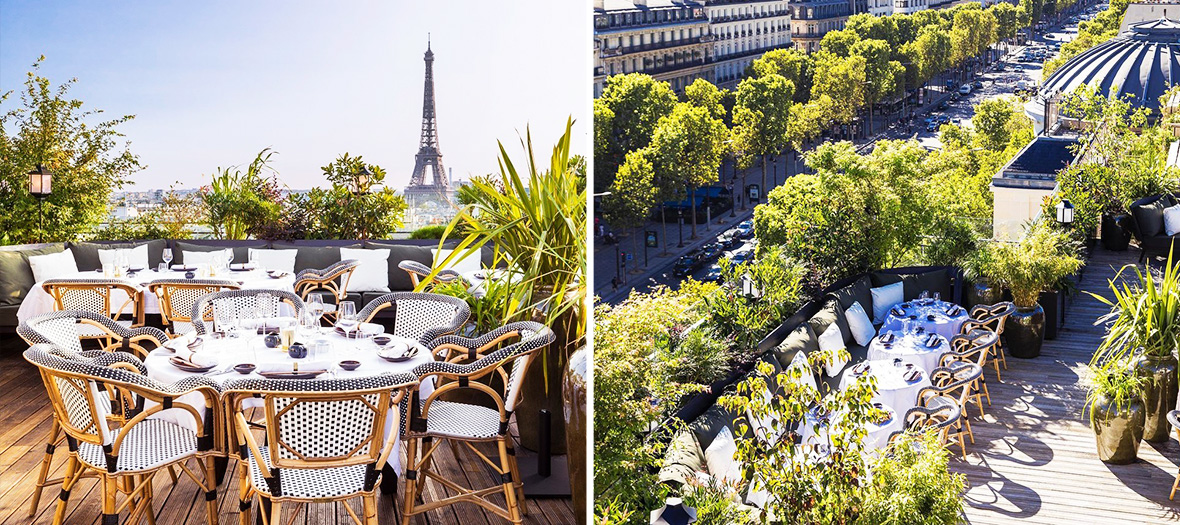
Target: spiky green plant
[[1144, 312]]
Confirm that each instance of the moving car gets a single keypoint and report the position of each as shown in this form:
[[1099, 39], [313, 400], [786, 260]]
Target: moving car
[[688, 263], [741, 257], [712, 251], [746, 228], [932, 125], [713, 275], [978, 84]]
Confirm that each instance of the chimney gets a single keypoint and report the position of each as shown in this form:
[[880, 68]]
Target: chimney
[[599, 4]]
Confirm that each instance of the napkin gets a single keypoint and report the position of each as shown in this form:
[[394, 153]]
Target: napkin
[[887, 337], [932, 341], [198, 357], [897, 311], [912, 376], [953, 310], [181, 343], [861, 369]]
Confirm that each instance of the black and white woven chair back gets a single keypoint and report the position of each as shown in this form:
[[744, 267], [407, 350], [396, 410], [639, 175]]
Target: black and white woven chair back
[[333, 279], [236, 302], [420, 316], [56, 328], [941, 416], [181, 295], [90, 295], [325, 421]]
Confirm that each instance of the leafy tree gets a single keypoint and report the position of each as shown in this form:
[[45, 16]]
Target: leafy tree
[[687, 146], [632, 194], [792, 64], [625, 118], [883, 76], [761, 116], [703, 94], [996, 120], [47, 127], [352, 208], [839, 42], [841, 79]]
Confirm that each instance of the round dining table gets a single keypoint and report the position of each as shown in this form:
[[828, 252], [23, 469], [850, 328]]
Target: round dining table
[[250, 348], [898, 381], [40, 302], [923, 349], [940, 317], [813, 430]]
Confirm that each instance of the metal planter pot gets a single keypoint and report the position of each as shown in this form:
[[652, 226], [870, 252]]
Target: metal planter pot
[[574, 393], [1025, 332], [1159, 396], [1117, 431], [983, 293], [1116, 232]]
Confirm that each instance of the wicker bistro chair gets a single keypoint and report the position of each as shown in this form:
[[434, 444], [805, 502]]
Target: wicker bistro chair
[[1174, 419], [237, 301], [179, 296], [325, 442], [61, 329], [952, 386], [126, 459], [975, 347], [939, 418], [419, 271], [332, 280], [419, 316], [95, 295], [430, 418], [993, 318]]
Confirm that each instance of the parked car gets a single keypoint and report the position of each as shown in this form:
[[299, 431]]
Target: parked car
[[978, 84], [712, 250], [965, 89], [746, 228], [741, 257], [932, 125], [730, 239], [713, 275]]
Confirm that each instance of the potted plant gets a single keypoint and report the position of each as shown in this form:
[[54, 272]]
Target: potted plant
[[1115, 403], [1144, 327], [978, 269], [1028, 268]]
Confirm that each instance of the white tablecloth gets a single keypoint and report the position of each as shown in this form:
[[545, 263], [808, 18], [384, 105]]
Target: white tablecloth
[[942, 324], [892, 389], [911, 347], [814, 432], [252, 350], [39, 301]]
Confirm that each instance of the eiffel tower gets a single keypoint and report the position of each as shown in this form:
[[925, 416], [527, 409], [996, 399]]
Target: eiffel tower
[[429, 154]]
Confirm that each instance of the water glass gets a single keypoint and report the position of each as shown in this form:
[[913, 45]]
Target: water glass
[[266, 305], [162, 268], [252, 258], [229, 257], [937, 297]]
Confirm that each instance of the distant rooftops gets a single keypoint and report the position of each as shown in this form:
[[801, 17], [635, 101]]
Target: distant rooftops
[[1036, 165], [614, 6], [1147, 11]]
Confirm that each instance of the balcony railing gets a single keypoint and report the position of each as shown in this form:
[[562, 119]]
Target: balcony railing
[[739, 18], [652, 46]]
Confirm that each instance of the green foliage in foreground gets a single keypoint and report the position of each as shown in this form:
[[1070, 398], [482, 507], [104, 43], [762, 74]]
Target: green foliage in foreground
[[434, 231]]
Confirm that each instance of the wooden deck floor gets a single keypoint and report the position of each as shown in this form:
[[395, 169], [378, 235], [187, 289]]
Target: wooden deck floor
[[24, 424], [1034, 456]]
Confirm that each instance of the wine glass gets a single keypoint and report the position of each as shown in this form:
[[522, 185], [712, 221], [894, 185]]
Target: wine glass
[[937, 296], [252, 258], [168, 257], [348, 319], [229, 257], [266, 306], [315, 305], [223, 319]]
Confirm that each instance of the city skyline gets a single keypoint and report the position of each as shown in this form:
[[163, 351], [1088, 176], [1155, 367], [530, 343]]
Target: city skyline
[[213, 84]]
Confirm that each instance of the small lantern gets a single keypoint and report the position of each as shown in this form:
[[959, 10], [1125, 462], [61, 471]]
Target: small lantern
[[1065, 212], [749, 291], [362, 180], [40, 182]]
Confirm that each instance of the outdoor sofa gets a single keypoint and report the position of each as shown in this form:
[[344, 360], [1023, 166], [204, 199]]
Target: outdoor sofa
[[1147, 225]]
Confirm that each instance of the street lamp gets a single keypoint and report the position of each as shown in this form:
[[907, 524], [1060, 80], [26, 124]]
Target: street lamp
[[361, 182], [40, 186], [1065, 213], [680, 226]]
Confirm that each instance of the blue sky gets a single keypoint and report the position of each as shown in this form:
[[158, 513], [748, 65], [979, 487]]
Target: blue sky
[[213, 82]]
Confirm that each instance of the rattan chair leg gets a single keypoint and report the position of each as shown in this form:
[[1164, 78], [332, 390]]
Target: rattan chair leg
[[510, 486], [276, 512], [1175, 484], [46, 462], [411, 480], [967, 423], [369, 505], [149, 494], [210, 488], [110, 488], [519, 481], [73, 469]]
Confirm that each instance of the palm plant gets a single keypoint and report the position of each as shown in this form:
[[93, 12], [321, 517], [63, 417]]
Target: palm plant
[[1032, 265], [534, 220], [1144, 312], [1113, 380]]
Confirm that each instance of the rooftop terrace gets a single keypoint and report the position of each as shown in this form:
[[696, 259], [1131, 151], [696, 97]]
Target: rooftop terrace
[[1034, 458]]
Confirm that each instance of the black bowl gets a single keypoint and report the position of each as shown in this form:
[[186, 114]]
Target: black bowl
[[244, 368], [350, 365], [382, 340]]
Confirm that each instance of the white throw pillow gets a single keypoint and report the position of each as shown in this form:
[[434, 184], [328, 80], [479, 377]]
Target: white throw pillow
[[470, 263], [372, 274], [800, 361], [137, 257], [278, 260], [764, 427], [859, 324], [198, 258], [53, 265], [719, 458], [884, 298], [1172, 220], [831, 341]]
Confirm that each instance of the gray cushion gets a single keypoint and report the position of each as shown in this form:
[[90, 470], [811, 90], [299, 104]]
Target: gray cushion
[[830, 313], [1150, 218], [8, 316], [86, 253], [241, 249], [683, 460], [914, 284], [857, 292], [399, 280], [16, 276], [708, 425], [313, 256], [801, 339]]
